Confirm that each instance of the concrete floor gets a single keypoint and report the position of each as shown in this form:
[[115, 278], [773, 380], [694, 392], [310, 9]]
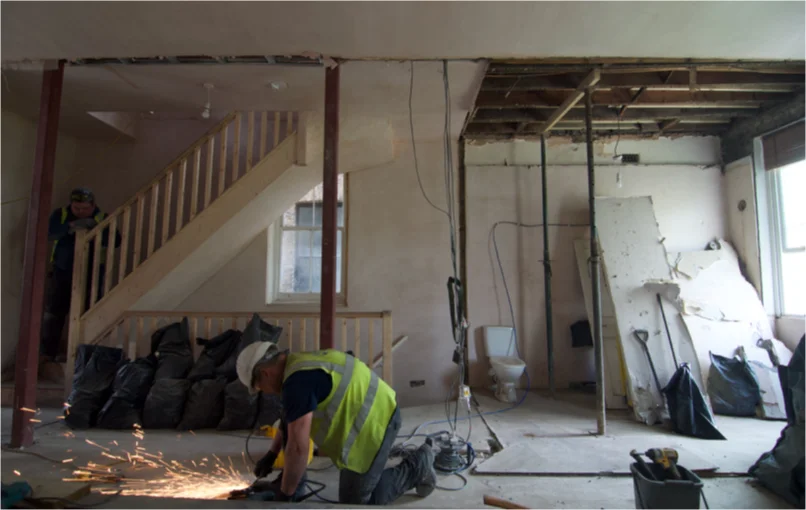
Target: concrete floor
[[537, 420]]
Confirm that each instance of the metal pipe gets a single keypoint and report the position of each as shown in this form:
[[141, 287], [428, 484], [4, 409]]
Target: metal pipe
[[547, 265], [463, 249], [34, 262], [330, 185], [597, 298]]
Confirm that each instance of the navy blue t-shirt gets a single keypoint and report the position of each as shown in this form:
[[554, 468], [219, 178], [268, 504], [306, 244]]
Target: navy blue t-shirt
[[303, 391]]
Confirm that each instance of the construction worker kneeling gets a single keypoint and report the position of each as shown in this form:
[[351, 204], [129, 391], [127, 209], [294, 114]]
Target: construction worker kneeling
[[349, 412]]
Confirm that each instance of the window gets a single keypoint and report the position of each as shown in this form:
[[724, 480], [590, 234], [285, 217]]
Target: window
[[299, 238], [789, 231]]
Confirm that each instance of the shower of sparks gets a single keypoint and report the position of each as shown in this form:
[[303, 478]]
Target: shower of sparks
[[17, 473], [27, 410], [174, 479], [34, 420]]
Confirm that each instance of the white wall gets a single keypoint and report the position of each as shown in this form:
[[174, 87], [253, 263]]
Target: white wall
[[18, 145], [689, 206]]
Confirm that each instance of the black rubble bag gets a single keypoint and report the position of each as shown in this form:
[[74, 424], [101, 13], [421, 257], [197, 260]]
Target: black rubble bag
[[205, 405], [95, 370], [130, 389], [687, 408], [216, 352], [165, 403], [257, 330], [240, 407], [782, 469], [733, 386], [171, 346]]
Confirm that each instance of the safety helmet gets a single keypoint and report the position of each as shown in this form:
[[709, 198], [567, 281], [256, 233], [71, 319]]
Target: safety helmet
[[83, 195], [250, 357]]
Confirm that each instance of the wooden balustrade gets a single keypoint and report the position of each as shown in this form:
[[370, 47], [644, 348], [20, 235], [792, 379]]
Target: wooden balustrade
[[117, 246], [132, 332]]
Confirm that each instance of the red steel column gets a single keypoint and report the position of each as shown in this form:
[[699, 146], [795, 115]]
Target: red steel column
[[330, 184], [36, 249]]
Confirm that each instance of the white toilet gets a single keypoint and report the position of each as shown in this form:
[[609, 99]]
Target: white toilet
[[507, 368]]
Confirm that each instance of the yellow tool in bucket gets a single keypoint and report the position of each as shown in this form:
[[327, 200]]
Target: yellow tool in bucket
[[269, 431]]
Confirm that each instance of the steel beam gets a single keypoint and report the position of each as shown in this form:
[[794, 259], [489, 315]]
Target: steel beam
[[597, 298], [330, 185], [34, 262]]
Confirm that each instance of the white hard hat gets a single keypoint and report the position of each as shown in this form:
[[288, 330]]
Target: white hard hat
[[251, 356]]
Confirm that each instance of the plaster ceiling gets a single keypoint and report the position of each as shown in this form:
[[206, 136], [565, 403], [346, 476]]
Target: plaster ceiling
[[369, 89], [401, 30]]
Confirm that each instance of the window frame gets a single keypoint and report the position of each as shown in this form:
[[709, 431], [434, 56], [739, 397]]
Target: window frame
[[275, 237]]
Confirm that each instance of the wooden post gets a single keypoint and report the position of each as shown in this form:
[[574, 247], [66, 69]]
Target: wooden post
[[138, 231], [152, 220], [96, 268], [250, 140], [77, 296], [208, 173], [387, 347], [180, 195], [370, 341], [35, 260], [110, 253], [236, 147], [222, 164], [330, 179], [166, 209], [357, 344], [276, 129], [264, 132], [124, 242], [194, 184]]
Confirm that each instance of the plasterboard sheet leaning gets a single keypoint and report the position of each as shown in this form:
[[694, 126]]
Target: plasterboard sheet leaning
[[633, 254]]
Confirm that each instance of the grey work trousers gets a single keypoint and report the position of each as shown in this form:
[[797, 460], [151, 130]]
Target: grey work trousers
[[381, 485]]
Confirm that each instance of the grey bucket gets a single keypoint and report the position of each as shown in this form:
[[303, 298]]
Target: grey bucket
[[664, 493]]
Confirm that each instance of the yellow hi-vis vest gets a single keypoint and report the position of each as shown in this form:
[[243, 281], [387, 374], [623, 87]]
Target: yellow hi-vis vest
[[98, 219], [349, 425]]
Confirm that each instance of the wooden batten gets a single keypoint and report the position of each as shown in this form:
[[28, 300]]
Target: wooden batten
[[194, 184], [124, 242], [180, 195], [166, 210], [208, 173], [250, 140], [110, 254], [152, 219]]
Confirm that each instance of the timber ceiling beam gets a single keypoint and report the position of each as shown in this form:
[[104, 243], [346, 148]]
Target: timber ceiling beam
[[590, 81]]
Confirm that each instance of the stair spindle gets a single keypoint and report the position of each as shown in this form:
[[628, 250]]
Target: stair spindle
[[208, 173], [138, 231], [208, 327], [124, 242], [222, 165], [291, 335], [370, 341], [194, 184], [303, 339], [264, 132], [344, 337], [316, 332], [250, 140], [96, 264], [357, 344], [166, 211], [110, 254], [276, 129], [152, 219], [180, 195], [387, 347], [236, 148], [289, 124], [139, 336]]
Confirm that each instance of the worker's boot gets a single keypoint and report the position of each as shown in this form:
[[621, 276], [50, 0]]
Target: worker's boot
[[428, 479]]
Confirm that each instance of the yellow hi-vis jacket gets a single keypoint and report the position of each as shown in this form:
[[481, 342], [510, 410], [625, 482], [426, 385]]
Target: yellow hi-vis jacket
[[349, 425], [98, 219]]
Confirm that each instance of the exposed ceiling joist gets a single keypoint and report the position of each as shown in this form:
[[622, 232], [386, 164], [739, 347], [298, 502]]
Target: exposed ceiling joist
[[524, 99]]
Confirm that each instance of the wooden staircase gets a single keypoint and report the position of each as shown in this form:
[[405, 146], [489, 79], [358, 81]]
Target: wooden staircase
[[170, 217]]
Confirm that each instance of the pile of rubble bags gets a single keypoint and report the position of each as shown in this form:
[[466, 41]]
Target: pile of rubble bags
[[168, 389], [782, 469]]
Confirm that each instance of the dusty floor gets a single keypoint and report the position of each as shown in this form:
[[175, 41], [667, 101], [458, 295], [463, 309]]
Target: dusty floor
[[539, 423]]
